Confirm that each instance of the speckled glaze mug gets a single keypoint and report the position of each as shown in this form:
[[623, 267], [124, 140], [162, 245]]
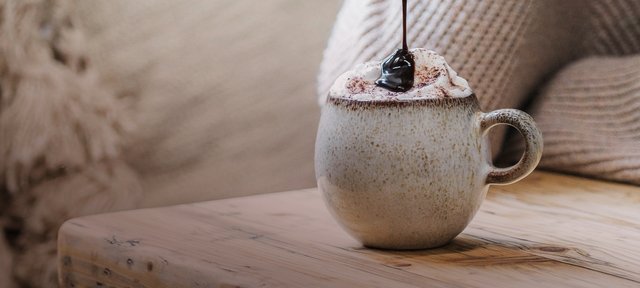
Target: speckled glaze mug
[[412, 174]]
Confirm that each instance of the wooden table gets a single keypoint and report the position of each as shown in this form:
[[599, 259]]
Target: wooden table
[[546, 231]]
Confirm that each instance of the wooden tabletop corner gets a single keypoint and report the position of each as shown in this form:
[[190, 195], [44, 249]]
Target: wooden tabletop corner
[[548, 230]]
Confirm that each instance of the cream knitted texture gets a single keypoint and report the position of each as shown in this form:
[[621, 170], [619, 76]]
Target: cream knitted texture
[[589, 116], [508, 50]]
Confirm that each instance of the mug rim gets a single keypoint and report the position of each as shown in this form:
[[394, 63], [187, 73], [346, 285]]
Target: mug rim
[[354, 103]]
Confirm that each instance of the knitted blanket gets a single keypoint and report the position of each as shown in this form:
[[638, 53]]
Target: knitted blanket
[[569, 63]]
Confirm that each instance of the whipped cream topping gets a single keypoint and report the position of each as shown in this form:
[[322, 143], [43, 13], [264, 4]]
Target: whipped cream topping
[[433, 78]]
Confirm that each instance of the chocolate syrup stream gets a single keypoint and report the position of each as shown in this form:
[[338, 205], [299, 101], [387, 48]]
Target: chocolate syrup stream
[[399, 67], [404, 25]]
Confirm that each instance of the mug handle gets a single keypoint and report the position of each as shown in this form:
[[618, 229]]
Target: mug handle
[[532, 149]]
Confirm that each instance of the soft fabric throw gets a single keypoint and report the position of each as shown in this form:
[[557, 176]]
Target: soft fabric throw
[[571, 62]]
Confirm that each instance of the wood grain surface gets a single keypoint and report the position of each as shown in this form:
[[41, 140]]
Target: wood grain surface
[[546, 231]]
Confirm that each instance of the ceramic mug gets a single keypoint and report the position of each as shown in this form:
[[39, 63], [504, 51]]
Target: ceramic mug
[[412, 174]]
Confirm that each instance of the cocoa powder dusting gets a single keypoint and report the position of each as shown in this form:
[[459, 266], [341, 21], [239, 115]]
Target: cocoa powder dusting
[[357, 85], [443, 93], [427, 75]]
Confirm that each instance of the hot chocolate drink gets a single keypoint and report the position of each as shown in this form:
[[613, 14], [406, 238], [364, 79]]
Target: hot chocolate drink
[[401, 154], [432, 78]]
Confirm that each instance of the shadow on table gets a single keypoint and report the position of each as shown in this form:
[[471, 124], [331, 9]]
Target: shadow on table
[[463, 250]]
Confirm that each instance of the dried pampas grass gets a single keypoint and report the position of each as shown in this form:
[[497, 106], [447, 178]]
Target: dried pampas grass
[[60, 137]]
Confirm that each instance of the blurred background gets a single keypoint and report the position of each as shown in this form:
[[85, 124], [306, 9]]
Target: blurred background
[[224, 91]]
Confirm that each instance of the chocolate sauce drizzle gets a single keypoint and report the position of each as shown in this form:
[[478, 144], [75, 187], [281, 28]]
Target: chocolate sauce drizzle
[[399, 67]]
